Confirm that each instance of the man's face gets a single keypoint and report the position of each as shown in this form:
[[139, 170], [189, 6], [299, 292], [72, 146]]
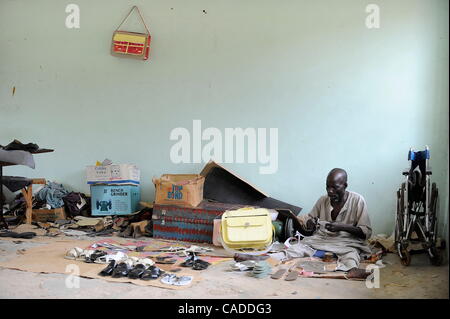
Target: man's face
[[336, 189]]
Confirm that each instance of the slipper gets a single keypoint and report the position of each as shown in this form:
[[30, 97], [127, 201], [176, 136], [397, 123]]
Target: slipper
[[121, 270], [168, 279], [165, 260], [189, 262], [200, 264], [106, 259], [292, 275], [182, 281], [93, 257], [137, 271], [75, 254], [278, 274], [152, 273], [109, 269]]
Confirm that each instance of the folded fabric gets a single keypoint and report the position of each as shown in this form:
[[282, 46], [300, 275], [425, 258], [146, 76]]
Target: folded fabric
[[17, 157]]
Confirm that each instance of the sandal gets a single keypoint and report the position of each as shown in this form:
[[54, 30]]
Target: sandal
[[278, 274], [189, 262], [200, 264], [75, 254], [106, 259], [292, 275], [109, 269], [182, 281], [93, 257], [165, 260], [137, 271], [121, 270], [152, 273], [168, 279]]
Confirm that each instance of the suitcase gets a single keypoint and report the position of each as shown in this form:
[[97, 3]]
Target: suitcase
[[247, 228], [194, 224]]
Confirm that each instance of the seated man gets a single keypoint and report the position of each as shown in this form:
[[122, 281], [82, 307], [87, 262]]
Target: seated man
[[343, 224]]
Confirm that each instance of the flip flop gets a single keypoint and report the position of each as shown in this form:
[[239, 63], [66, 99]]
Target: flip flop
[[121, 270], [292, 275], [137, 271], [152, 273], [278, 274], [182, 281], [75, 254], [109, 269], [168, 279], [200, 264]]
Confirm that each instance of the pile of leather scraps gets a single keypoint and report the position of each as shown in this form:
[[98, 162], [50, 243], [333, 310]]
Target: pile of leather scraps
[[136, 225], [78, 226], [54, 196]]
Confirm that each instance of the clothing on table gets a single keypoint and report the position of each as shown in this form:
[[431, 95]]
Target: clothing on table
[[17, 145], [15, 183]]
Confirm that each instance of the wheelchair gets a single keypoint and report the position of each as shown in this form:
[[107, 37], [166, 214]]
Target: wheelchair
[[416, 209]]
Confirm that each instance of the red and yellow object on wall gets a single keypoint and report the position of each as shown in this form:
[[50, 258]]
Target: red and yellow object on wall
[[131, 44]]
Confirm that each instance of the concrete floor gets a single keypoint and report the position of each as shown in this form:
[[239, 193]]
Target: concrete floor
[[419, 280]]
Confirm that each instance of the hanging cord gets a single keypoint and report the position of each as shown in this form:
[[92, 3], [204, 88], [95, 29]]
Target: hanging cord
[[129, 13]]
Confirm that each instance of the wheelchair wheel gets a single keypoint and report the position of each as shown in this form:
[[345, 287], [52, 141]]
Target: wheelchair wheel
[[403, 253], [435, 256], [405, 257]]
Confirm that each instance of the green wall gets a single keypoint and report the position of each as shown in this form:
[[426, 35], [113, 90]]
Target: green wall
[[340, 94]]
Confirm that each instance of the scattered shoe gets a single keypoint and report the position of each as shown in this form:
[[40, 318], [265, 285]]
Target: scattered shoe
[[137, 271], [109, 269], [121, 270], [152, 273]]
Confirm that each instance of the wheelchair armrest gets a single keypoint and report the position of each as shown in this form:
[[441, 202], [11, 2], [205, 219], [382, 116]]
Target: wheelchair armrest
[[429, 172], [405, 173]]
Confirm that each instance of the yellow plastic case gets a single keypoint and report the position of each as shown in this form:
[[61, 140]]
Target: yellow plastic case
[[247, 228]]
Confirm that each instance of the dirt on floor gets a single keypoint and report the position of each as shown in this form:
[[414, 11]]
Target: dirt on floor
[[419, 280]]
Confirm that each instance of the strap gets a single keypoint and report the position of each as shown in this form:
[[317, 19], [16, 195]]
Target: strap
[[129, 13]]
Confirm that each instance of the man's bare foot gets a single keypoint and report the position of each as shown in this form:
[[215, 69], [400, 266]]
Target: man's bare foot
[[357, 273]]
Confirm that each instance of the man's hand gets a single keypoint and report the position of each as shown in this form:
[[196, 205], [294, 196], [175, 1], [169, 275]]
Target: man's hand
[[311, 224], [335, 227]]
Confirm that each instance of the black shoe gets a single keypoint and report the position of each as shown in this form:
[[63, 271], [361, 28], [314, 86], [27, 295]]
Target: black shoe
[[189, 262], [137, 271], [96, 254], [152, 273], [121, 270], [109, 269], [200, 264]]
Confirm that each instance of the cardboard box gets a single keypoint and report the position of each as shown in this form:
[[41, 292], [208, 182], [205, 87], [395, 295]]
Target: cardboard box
[[113, 174], [48, 215], [114, 199], [179, 189]]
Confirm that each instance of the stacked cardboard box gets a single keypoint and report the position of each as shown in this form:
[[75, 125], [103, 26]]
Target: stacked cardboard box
[[115, 189]]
